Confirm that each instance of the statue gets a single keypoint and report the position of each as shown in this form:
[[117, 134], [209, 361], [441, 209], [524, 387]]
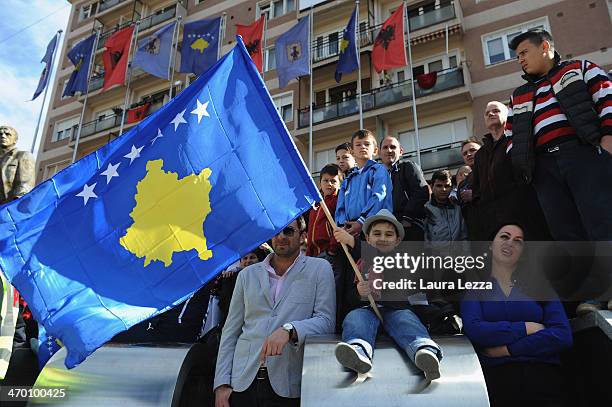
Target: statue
[[16, 167]]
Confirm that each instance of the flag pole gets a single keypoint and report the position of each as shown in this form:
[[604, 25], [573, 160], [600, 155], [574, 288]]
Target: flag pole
[[175, 35], [134, 44], [332, 222], [49, 72], [414, 109], [358, 45], [263, 49], [310, 107], [221, 34], [92, 58]]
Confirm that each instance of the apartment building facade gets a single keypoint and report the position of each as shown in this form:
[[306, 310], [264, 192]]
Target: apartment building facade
[[465, 42]]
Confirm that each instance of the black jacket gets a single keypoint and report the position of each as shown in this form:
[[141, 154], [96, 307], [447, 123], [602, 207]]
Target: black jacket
[[410, 191]]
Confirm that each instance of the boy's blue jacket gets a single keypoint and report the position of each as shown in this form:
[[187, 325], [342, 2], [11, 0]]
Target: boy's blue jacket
[[363, 193]]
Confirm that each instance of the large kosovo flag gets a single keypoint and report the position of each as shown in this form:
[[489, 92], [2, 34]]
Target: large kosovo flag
[[137, 226]]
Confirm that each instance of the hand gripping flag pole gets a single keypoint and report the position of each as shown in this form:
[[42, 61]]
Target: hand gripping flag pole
[[331, 220]]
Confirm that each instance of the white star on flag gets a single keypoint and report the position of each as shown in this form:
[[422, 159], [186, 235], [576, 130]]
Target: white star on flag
[[110, 172], [201, 110], [159, 135], [179, 119], [87, 192], [134, 154]]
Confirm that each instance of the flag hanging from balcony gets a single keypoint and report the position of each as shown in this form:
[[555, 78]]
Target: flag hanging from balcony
[[154, 52], [292, 51], [136, 114], [389, 49], [348, 62], [134, 228], [200, 48], [116, 56], [252, 35], [80, 56], [48, 61]]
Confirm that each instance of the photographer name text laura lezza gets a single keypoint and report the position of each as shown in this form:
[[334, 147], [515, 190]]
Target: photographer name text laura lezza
[[425, 285]]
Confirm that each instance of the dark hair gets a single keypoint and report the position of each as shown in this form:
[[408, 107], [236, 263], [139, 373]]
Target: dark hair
[[495, 230], [301, 223], [332, 170], [441, 175], [535, 36], [470, 140], [260, 252], [344, 146], [383, 139], [363, 133]]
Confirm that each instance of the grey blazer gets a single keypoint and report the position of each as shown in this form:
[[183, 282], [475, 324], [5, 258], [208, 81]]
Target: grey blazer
[[307, 300]]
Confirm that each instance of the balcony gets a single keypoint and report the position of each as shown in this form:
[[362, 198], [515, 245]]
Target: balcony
[[107, 4], [432, 17], [322, 50], [442, 156], [145, 23], [109, 122], [380, 97]]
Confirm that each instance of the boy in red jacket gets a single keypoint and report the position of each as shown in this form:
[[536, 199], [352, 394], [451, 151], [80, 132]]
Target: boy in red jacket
[[320, 233]]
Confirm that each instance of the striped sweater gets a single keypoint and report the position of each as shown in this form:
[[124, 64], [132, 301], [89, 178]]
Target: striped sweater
[[550, 124]]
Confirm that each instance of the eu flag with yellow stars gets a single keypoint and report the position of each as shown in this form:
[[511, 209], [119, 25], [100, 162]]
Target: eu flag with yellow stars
[[136, 227]]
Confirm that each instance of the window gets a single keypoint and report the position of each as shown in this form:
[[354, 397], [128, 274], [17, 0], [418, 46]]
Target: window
[[496, 45], [437, 63], [282, 7], [276, 8], [87, 11], [270, 59], [65, 129], [284, 105], [52, 169], [436, 135], [322, 158]]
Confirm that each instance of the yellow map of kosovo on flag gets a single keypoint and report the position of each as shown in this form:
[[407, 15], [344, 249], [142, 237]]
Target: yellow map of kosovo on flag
[[169, 215]]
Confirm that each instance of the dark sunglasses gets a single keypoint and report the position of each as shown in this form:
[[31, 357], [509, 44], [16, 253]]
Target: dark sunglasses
[[288, 231]]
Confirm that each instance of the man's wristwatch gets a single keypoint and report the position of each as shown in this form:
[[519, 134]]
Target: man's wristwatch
[[289, 328]]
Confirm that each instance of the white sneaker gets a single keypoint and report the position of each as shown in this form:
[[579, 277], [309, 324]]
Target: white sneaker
[[353, 357], [428, 362]]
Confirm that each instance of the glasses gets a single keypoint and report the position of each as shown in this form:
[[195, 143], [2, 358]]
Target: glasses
[[289, 231]]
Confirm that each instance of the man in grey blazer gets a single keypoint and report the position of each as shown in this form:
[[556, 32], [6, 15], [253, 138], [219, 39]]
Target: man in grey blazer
[[276, 304]]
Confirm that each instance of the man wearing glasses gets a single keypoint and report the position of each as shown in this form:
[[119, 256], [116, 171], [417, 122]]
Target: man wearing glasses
[[275, 305]]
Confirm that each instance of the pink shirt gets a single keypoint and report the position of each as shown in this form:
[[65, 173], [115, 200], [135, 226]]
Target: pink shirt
[[276, 281]]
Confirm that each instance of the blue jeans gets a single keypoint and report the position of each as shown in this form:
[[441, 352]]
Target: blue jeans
[[402, 325]]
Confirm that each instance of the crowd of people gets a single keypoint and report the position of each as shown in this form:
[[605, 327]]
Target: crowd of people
[[532, 177]]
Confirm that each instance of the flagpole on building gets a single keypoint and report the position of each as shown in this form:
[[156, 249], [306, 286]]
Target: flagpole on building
[[175, 35], [92, 58], [49, 72], [263, 49], [358, 45], [310, 108], [414, 109], [134, 45]]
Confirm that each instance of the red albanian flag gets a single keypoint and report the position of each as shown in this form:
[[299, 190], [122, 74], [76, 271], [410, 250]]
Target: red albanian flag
[[116, 57], [389, 50], [252, 35]]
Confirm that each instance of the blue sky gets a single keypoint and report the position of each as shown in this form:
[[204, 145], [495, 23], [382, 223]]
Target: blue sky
[[20, 57]]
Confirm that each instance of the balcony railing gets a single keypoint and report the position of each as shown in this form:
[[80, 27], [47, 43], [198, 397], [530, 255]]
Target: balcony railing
[[432, 17], [155, 19], [147, 22], [380, 97], [442, 156], [106, 4], [327, 48], [96, 82]]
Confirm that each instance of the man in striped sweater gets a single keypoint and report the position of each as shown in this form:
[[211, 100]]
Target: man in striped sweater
[[560, 130]]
